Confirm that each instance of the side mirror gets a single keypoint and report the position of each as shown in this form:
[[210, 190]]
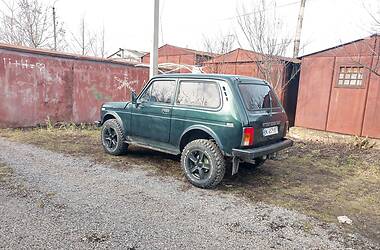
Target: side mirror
[[134, 97]]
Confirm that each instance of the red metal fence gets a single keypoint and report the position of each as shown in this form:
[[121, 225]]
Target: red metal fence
[[37, 84], [325, 105]]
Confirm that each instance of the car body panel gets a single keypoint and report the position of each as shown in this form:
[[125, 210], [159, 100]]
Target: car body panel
[[147, 124], [150, 122]]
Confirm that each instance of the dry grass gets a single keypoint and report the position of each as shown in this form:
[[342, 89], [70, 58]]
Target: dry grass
[[5, 172], [321, 179]]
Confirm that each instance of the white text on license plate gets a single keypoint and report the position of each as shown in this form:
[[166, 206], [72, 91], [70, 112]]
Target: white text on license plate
[[270, 131]]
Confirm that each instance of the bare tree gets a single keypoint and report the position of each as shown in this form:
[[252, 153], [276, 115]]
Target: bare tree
[[263, 32], [89, 42], [97, 43], [218, 45], [373, 11], [28, 23], [78, 42], [375, 16], [366, 46], [371, 44]]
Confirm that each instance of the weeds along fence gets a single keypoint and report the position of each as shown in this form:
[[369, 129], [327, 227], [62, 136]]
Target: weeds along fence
[[37, 84]]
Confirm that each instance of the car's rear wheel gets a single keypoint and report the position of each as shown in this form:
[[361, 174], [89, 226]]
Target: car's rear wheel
[[203, 163], [113, 138]]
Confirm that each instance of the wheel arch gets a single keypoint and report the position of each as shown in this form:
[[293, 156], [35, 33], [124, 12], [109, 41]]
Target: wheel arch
[[113, 115], [198, 132]]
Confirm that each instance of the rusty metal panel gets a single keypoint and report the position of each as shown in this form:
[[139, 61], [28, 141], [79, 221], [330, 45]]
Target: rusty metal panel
[[354, 110], [168, 49], [96, 83], [228, 68], [187, 59], [30, 91], [172, 59], [174, 54], [371, 124], [247, 69], [35, 85], [145, 59], [362, 47], [346, 103], [314, 91]]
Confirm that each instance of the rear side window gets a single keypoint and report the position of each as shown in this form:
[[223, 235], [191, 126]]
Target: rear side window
[[200, 94], [258, 96], [159, 91]]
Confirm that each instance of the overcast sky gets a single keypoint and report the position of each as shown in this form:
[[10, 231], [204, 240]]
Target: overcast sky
[[128, 23]]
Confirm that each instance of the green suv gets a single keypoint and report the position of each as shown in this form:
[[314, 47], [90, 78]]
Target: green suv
[[211, 120]]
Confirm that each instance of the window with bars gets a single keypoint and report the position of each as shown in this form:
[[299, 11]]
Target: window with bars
[[350, 76]]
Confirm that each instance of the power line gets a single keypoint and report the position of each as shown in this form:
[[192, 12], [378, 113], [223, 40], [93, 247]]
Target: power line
[[264, 10]]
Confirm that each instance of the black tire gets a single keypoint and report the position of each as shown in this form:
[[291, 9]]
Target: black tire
[[203, 163], [113, 138], [258, 162]]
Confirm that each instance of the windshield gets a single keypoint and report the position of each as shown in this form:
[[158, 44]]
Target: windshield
[[258, 96]]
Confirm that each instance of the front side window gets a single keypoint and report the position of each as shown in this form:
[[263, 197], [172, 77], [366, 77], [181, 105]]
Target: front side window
[[198, 93], [258, 96], [350, 76], [161, 91]]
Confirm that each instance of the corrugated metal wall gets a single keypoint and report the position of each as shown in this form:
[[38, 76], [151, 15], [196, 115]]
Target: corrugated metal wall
[[325, 106], [36, 84]]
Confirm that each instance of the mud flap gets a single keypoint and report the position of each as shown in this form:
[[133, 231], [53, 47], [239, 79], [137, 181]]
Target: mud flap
[[235, 165]]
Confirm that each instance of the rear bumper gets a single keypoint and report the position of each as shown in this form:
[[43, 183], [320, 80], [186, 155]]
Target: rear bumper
[[252, 153]]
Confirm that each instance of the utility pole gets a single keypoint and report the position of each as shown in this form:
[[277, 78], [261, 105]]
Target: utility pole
[[103, 42], [82, 36], [153, 69], [55, 31], [297, 39]]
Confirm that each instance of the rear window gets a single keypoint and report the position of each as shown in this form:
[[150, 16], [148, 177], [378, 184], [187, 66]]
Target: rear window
[[258, 96]]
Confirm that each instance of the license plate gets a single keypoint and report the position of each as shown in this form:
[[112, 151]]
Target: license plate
[[270, 131]]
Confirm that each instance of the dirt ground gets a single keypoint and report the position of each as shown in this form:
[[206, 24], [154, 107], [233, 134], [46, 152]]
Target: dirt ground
[[318, 178]]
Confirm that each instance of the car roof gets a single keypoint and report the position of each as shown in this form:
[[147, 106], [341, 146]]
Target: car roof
[[231, 78]]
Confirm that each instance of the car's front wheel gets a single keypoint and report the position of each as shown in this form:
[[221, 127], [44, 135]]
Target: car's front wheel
[[203, 163], [113, 138]]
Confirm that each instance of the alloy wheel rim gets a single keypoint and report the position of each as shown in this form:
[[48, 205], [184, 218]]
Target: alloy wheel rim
[[110, 138], [198, 164]]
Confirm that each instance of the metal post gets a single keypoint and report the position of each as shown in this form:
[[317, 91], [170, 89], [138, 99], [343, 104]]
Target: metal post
[[297, 39], [55, 32], [153, 70], [83, 36]]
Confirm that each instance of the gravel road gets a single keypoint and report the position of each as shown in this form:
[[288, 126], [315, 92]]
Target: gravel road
[[55, 201]]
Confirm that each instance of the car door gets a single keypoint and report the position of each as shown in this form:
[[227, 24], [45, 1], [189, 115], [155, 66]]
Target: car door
[[152, 112]]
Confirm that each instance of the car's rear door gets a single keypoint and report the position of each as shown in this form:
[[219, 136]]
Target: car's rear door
[[197, 104], [265, 113], [151, 115]]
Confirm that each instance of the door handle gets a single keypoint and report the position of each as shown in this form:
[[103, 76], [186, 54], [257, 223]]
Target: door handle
[[165, 111]]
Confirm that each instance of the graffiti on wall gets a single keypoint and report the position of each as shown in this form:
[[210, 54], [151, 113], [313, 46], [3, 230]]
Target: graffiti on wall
[[126, 83], [34, 86], [23, 64]]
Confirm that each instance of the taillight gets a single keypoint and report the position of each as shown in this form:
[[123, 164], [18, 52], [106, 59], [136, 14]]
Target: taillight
[[248, 136]]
